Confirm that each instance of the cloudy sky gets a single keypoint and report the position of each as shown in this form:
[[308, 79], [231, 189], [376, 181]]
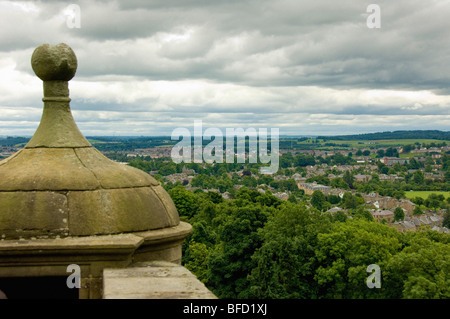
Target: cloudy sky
[[305, 67]]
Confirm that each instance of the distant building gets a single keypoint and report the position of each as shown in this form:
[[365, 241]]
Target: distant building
[[335, 209], [433, 221], [282, 196], [385, 203], [362, 178], [390, 161], [309, 188], [379, 215], [188, 171], [408, 206]]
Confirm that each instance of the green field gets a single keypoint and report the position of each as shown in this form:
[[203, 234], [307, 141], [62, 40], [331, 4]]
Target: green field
[[378, 143], [411, 155], [366, 144], [424, 194]]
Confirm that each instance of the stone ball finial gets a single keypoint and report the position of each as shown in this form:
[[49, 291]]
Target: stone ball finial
[[54, 62]]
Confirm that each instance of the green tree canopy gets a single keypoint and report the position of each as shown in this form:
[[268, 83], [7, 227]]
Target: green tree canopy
[[399, 214], [318, 200], [345, 252], [285, 263]]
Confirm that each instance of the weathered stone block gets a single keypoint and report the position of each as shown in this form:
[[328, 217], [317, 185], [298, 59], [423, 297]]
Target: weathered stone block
[[111, 174], [110, 211], [154, 280], [55, 169], [24, 214]]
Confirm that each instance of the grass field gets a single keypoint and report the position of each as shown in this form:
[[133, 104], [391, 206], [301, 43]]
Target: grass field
[[365, 144], [411, 155], [396, 142], [424, 194]]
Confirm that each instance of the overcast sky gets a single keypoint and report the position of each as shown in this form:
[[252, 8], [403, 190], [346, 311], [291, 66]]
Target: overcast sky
[[305, 67]]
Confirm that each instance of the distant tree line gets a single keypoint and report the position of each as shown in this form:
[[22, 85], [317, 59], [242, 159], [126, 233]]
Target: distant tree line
[[413, 134], [12, 141]]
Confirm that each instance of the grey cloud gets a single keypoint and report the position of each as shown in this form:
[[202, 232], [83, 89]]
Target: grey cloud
[[275, 51], [283, 42]]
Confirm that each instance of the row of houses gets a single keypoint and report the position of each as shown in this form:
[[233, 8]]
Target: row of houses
[[433, 221], [372, 199], [310, 188], [391, 161]]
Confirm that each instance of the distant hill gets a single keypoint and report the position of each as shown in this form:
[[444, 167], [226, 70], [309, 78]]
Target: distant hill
[[416, 134], [13, 140]]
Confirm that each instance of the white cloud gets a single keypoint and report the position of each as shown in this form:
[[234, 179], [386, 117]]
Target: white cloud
[[306, 67]]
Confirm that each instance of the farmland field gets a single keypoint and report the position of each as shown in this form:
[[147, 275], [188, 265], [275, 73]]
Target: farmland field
[[425, 194], [386, 143], [361, 144]]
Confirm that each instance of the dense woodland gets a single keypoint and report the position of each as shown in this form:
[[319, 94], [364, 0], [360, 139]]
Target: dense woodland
[[257, 246]]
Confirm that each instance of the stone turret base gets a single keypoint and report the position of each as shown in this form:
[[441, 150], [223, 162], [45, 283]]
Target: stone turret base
[[36, 258], [153, 280]]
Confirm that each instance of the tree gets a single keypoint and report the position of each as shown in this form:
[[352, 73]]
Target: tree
[[338, 182], [350, 201], [418, 200], [286, 160], [380, 153], [168, 169], [224, 184], [446, 221], [292, 198], [246, 173], [186, 202], [447, 176], [285, 264], [399, 214], [249, 181], [304, 160], [318, 200], [348, 178], [408, 148], [204, 181], [417, 211], [421, 270], [195, 259], [342, 261], [434, 201], [230, 262], [215, 197], [365, 214], [333, 199], [340, 216], [418, 177], [391, 152], [265, 179], [384, 169]]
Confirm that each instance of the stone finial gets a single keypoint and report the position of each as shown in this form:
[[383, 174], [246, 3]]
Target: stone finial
[[56, 65], [54, 62]]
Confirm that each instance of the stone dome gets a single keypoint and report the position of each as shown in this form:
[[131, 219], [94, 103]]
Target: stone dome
[[60, 185]]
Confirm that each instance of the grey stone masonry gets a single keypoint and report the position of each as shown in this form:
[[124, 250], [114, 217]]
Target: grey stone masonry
[[153, 280]]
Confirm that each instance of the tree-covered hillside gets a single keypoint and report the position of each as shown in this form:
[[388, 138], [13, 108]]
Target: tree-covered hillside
[[257, 246], [415, 134]]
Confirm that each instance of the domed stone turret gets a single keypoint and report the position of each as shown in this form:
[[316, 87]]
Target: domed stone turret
[[60, 185], [65, 207], [63, 203]]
